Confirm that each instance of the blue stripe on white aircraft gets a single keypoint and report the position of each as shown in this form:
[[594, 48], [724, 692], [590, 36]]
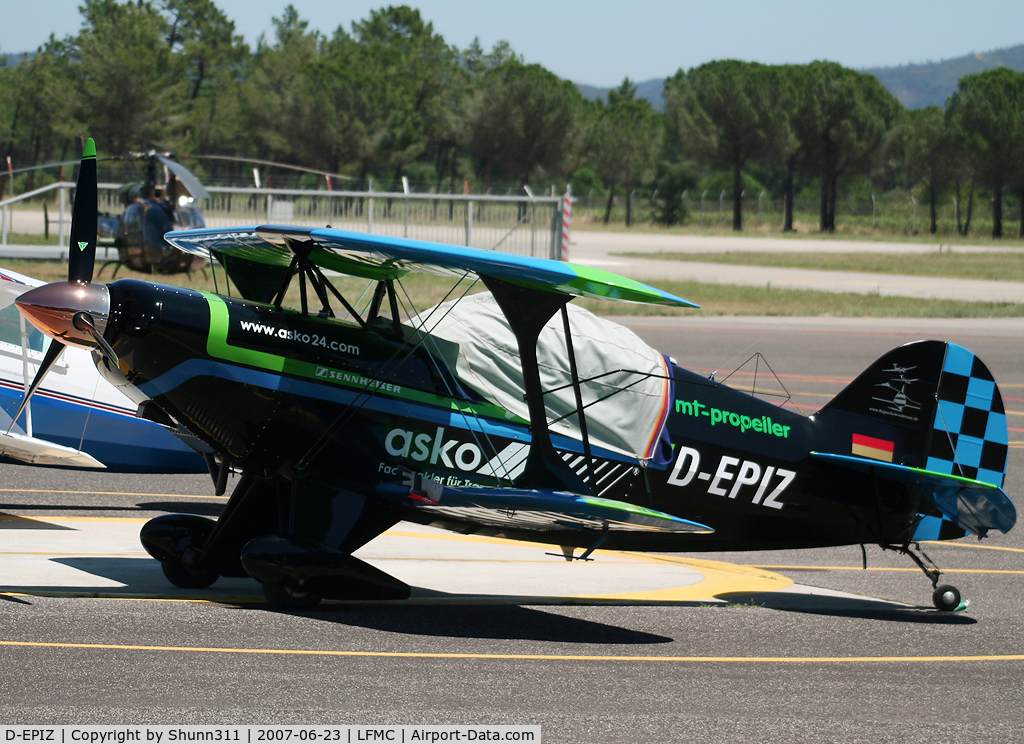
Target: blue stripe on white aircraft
[[76, 418]]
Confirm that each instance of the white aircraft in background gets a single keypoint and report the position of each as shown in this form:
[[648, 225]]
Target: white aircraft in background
[[76, 418]]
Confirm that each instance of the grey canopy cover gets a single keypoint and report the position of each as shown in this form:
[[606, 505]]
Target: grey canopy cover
[[632, 392]]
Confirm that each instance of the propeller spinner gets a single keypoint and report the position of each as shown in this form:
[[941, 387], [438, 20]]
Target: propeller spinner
[[75, 312]]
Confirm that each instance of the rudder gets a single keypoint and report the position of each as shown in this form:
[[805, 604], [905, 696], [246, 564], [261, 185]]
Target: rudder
[[969, 434], [927, 404]]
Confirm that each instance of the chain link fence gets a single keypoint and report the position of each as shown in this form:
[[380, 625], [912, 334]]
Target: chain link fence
[[892, 213]]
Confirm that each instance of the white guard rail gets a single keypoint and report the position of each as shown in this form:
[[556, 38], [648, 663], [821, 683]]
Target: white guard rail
[[528, 225]]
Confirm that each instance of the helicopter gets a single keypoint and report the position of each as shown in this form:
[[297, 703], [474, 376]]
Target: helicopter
[[152, 207], [150, 211], [502, 414]]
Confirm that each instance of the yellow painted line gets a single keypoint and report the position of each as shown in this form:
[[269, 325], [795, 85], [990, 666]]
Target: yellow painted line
[[947, 544], [76, 555], [518, 657], [882, 568], [469, 538], [719, 577], [112, 493], [219, 599], [61, 518]]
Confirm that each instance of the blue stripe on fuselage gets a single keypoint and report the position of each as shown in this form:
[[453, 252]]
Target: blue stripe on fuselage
[[374, 401]]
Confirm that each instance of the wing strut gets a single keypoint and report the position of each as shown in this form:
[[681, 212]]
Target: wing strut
[[580, 415], [527, 311]]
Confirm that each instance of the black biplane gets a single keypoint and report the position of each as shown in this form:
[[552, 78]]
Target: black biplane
[[501, 414]]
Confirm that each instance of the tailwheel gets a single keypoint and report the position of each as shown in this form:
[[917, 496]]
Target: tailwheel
[[184, 577], [946, 598], [286, 595]]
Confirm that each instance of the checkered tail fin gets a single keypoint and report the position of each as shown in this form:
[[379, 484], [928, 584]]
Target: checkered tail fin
[[927, 414], [969, 435]]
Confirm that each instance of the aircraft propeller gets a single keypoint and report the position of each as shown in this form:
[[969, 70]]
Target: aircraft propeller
[[75, 312]]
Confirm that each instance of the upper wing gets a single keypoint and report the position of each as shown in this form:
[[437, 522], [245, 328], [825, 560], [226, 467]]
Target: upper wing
[[384, 257]]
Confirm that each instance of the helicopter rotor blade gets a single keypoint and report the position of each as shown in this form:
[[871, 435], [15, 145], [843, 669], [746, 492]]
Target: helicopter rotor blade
[[191, 182], [274, 164], [61, 164], [53, 351], [82, 249]]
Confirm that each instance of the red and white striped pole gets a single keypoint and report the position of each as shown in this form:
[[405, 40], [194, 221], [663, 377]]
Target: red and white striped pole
[[566, 222]]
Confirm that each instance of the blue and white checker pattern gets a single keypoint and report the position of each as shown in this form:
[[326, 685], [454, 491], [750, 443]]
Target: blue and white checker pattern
[[936, 528], [969, 436]]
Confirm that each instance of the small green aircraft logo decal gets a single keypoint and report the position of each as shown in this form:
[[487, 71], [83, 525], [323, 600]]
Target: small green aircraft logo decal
[[82, 245]]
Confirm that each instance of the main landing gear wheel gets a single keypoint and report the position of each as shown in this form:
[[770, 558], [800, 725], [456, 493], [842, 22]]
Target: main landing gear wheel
[[185, 578], [288, 596], [946, 598]]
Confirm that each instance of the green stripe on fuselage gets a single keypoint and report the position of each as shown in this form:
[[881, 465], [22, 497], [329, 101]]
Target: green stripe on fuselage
[[217, 346]]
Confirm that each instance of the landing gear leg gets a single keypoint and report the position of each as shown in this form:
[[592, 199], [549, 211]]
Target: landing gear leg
[[945, 597]]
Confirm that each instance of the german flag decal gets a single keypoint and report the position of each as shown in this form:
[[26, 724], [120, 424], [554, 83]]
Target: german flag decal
[[876, 449]]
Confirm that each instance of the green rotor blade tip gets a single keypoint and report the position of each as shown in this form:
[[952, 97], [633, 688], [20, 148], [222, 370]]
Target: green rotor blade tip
[[90, 150]]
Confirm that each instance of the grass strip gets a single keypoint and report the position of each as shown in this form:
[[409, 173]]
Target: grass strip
[[990, 266], [727, 299]]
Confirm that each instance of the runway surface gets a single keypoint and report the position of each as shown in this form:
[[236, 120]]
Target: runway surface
[[753, 647]]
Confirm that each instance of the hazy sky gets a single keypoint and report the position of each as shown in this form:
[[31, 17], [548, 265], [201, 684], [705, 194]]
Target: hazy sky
[[600, 42]]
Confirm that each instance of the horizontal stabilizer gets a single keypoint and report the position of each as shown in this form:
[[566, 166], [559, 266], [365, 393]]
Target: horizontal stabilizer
[[386, 257], [974, 506], [539, 510], [42, 452]]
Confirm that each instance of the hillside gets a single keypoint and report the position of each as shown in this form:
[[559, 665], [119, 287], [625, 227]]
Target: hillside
[[916, 86], [14, 58], [649, 89], [930, 84]]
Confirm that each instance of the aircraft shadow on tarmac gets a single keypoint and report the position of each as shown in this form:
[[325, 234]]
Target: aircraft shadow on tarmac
[[178, 507], [14, 600], [852, 607], [435, 613], [15, 522], [159, 507], [507, 621], [486, 621]]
